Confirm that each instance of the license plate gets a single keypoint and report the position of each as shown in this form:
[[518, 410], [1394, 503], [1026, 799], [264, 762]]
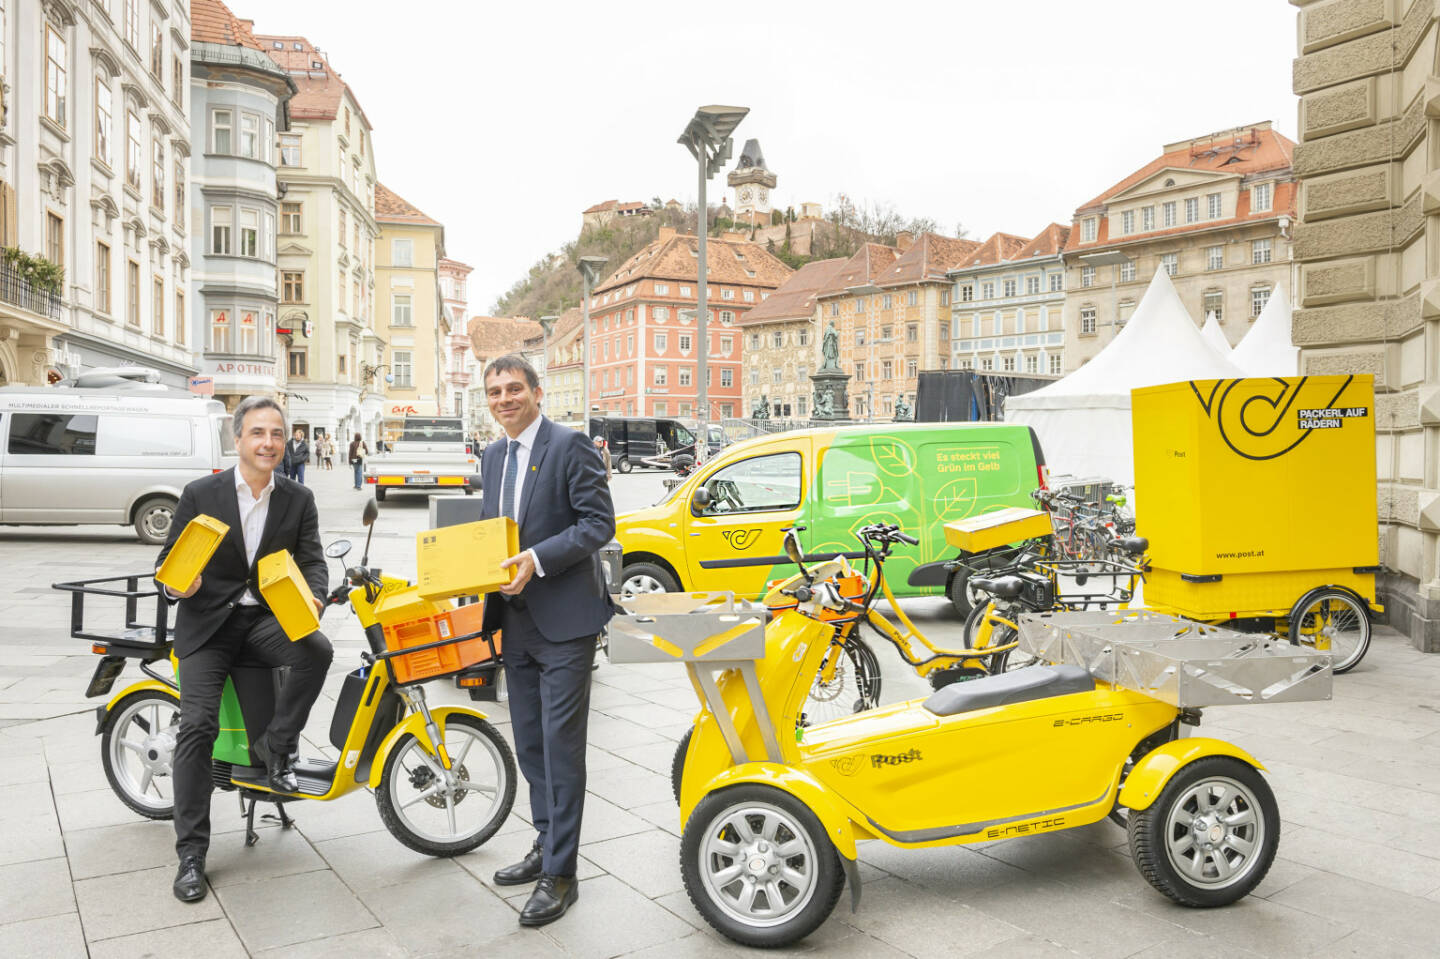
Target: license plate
[[418, 479]]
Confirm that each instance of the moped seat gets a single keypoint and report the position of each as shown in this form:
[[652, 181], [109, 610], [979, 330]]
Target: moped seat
[[1134, 545], [1005, 587], [1006, 689]]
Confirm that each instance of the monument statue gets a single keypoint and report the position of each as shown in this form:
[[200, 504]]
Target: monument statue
[[903, 410], [824, 401], [762, 410], [830, 348]]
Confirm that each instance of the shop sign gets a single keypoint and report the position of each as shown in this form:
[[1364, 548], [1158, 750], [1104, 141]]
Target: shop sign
[[396, 411], [241, 368], [202, 385]]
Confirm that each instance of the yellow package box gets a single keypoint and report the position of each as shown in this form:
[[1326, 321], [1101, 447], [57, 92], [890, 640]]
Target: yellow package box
[[988, 530], [464, 560], [197, 543], [406, 605], [288, 595]]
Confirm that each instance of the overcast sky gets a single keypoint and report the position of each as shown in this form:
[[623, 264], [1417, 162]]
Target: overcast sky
[[504, 121]]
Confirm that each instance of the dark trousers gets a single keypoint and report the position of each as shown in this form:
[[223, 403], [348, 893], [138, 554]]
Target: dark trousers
[[298, 473], [253, 632], [549, 686]]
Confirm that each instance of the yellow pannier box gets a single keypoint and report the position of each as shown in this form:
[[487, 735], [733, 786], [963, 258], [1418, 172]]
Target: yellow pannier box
[[187, 558], [288, 595], [1243, 485], [464, 560], [988, 530]]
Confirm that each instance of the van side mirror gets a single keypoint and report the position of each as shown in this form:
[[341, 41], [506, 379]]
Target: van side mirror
[[700, 500]]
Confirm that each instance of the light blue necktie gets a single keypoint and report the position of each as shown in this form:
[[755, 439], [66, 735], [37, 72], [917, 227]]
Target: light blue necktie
[[507, 487]]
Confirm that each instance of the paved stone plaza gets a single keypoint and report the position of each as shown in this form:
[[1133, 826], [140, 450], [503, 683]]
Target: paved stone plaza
[[1357, 781]]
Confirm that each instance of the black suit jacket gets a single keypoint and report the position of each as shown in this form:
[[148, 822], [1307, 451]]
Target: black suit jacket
[[292, 523], [565, 516]]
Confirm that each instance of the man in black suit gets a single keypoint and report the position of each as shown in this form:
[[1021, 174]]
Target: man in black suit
[[549, 479], [297, 454], [222, 616]]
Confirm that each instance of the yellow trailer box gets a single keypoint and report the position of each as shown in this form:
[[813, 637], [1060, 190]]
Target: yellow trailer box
[[288, 595], [464, 560], [1248, 489], [187, 558], [997, 528]]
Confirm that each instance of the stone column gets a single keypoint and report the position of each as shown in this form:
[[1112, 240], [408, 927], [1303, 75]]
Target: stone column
[[1367, 291]]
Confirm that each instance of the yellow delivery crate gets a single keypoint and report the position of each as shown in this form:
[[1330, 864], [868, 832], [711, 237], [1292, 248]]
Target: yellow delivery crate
[[1250, 489], [988, 530], [464, 560], [288, 595], [197, 543]]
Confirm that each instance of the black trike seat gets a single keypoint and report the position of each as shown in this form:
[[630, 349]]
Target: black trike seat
[[1006, 689], [1134, 545], [1004, 587]]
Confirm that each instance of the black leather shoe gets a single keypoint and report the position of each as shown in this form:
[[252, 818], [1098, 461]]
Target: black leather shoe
[[552, 896], [190, 879], [526, 870], [281, 768]]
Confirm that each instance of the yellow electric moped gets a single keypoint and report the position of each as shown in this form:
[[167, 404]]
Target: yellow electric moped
[[443, 777], [773, 808]]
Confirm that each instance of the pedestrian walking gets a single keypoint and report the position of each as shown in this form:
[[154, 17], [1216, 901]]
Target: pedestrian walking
[[552, 484], [604, 456], [297, 453], [358, 452], [327, 452]]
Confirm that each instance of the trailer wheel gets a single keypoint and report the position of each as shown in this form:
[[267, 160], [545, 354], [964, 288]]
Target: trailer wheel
[[1332, 620]]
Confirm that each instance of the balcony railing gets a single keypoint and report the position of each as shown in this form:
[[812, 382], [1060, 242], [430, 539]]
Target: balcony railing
[[18, 291]]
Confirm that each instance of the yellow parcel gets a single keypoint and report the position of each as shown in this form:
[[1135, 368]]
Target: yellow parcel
[[288, 595], [187, 558], [464, 560]]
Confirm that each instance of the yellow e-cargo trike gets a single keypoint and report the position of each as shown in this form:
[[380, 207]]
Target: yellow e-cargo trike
[[772, 808]]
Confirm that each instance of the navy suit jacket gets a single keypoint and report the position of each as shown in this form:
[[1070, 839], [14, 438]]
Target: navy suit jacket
[[565, 516]]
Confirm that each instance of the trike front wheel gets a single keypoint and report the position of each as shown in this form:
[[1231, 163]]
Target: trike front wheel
[[447, 815], [759, 866], [1335, 621], [137, 748], [1211, 835]]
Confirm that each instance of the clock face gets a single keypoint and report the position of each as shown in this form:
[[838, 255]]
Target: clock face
[[745, 195]]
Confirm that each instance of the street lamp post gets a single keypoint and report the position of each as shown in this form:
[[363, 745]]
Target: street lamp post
[[590, 267], [707, 137]]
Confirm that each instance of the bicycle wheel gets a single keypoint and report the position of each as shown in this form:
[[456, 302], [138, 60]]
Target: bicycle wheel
[[1332, 620], [999, 634], [849, 685]]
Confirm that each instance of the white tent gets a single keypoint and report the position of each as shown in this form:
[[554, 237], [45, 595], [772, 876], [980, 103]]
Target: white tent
[[1266, 349], [1083, 420], [1215, 336]]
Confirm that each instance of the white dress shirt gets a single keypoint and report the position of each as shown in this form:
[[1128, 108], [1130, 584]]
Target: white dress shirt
[[253, 512], [526, 439]]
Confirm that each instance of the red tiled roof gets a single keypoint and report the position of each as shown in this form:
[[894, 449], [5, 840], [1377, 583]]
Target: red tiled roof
[[998, 247], [1050, 241], [927, 259], [601, 207], [492, 336], [212, 22], [393, 208], [795, 298], [320, 88], [673, 258], [861, 269]]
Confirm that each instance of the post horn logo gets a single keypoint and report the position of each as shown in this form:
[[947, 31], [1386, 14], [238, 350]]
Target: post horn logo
[[849, 765], [740, 539]]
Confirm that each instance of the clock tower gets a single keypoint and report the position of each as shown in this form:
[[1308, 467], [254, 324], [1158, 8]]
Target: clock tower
[[752, 183]]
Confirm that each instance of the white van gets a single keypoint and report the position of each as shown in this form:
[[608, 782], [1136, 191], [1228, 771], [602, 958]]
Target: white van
[[120, 455]]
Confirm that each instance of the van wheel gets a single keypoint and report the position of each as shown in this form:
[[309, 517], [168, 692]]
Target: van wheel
[[624, 465], [959, 592], [640, 578], [153, 519]]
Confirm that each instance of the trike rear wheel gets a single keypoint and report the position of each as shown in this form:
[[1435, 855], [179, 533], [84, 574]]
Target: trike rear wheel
[[1211, 835], [429, 817], [759, 866], [137, 748], [1333, 620]]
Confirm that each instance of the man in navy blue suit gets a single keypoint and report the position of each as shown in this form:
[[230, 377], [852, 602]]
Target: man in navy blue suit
[[551, 482]]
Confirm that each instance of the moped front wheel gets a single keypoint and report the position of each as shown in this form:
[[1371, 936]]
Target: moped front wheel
[[759, 866], [443, 812], [137, 748]]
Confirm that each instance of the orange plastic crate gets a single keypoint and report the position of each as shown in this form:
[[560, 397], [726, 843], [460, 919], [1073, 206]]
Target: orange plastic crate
[[430, 663]]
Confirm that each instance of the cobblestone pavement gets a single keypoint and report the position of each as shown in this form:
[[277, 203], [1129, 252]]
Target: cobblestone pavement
[[1357, 780]]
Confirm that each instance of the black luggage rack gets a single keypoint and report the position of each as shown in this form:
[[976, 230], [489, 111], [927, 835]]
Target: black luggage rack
[[147, 639], [1111, 583]]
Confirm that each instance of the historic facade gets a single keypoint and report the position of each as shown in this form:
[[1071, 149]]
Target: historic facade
[[1367, 295], [94, 161], [412, 316], [325, 245], [1008, 305], [644, 352], [779, 343], [564, 371], [1215, 212], [846, 303], [455, 343], [239, 100]]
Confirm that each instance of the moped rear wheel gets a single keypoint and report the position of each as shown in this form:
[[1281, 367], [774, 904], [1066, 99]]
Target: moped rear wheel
[[432, 814], [1211, 835], [137, 747], [759, 866]]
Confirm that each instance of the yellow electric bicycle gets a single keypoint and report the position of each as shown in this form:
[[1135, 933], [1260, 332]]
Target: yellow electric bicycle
[[443, 777]]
